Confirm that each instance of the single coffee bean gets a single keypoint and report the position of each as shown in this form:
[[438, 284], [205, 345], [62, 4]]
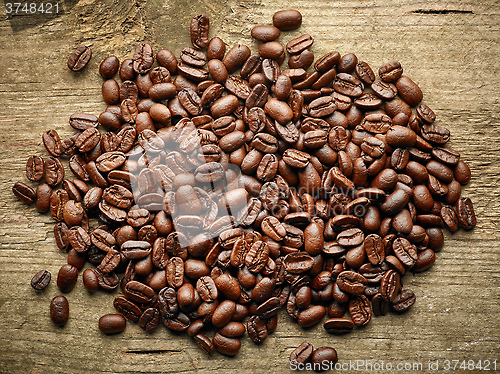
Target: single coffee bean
[[199, 28], [226, 346], [404, 301], [79, 58], [287, 19], [112, 323], [324, 356], [257, 329], [67, 277], [143, 58], [465, 213], [59, 310], [90, 281], [360, 310], [41, 280], [24, 192], [390, 72], [338, 325], [35, 168], [265, 33]]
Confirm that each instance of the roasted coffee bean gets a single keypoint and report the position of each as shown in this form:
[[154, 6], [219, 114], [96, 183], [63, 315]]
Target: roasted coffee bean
[[199, 28], [351, 282], [35, 168], [324, 357], [24, 192], [465, 213], [311, 316], [338, 325], [79, 58], [59, 310], [67, 277], [384, 90], [405, 252], [257, 329], [54, 171], [226, 346], [90, 281], [138, 292], [112, 323], [390, 72], [265, 33], [302, 353], [143, 58], [299, 44], [150, 319], [40, 280], [404, 301], [287, 19], [207, 289], [364, 72], [347, 84], [360, 310]]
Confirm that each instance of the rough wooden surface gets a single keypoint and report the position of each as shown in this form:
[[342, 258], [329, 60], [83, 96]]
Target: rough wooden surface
[[450, 48]]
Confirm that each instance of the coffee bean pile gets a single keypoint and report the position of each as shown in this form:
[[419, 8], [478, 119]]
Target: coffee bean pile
[[226, 188]]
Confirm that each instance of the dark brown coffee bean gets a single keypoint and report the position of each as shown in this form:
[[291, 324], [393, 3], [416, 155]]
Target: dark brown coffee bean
[[143, 58], [364, 72], [324, 358], [207, 289], [236, 57], [465, 213], [52, 142], [35, 168], [405, 252], [79, 58], [404, 301], [67, 277], [138, 292], [450, 218], [112, 323], [390, 72], [226, 346], [302, 353], [257, 256], [338, 325], [90, 281], [384, 90], [351, 282], [40, 280], [265, 33], [54, 171], [287, 19], [347, 84], [360, 310], [199, 29], [311, 316], [390, 285], [59, 310], [24, 192], [299, 44]]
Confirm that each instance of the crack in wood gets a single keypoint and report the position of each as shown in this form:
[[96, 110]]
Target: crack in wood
[[442, 11], [150, 351]]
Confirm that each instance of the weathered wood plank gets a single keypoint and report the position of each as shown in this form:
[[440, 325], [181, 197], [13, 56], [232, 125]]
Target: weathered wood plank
[[450, 48]]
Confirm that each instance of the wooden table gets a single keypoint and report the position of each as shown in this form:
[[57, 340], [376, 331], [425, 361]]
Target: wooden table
[[450, 48]]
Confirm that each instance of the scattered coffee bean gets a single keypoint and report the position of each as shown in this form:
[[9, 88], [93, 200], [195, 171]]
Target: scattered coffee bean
[[41, 280]]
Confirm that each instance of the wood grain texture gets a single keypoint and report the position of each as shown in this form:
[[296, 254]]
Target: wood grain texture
[[450, 48]]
